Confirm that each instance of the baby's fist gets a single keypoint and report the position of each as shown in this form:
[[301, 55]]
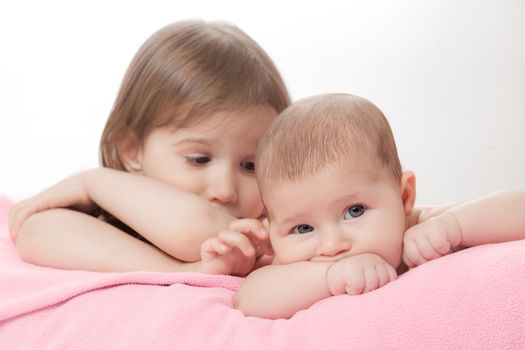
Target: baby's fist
[[431, 239], [359, 274]]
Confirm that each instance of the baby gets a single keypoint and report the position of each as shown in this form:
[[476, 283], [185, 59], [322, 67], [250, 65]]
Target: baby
[[341, 209]]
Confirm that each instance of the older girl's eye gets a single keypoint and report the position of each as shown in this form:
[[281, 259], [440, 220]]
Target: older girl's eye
[[248, 165], [354, 211], [302, 228], [198, 159]]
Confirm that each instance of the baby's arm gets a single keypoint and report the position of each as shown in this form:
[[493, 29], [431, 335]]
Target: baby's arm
[[68, 239], [498, 217], [279, 291], [174, 220], [495, 218]]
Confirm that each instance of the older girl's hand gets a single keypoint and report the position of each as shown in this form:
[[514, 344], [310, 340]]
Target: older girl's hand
[[70, 192], [236, 250]]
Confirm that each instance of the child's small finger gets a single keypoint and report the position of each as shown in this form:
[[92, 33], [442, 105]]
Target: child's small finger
[[425, 248], [440, 244], [206, 248], [15, 226], [411, 255], [382, 275], [221, 247], [12, 221], [214, 246], [355, 282], [392, 274], [371, 279], [208, 244], [20, 215], [266, 247], [243, 225], [261, 250], [255, 231], [261, 233], [262, 247], [250, 227], [238, 240]]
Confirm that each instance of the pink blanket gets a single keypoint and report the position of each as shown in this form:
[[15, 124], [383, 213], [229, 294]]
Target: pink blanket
[[472, 299]]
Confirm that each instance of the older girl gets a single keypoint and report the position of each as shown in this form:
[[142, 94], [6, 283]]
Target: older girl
[[178, 162]]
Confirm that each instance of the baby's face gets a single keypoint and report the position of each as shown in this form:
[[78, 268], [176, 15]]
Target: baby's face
[[339, 212]]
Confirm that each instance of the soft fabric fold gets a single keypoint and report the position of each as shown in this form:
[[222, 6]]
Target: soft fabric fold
[[472, 299]]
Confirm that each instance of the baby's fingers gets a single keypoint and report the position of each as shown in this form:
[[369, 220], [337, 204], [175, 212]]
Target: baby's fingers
[[385, 274], [355, 282], [392, 274], [372, 279], [425, 248], [411, 255], [440, 244]]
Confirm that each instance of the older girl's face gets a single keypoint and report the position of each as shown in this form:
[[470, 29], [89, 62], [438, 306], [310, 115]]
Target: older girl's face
[[214, 159]]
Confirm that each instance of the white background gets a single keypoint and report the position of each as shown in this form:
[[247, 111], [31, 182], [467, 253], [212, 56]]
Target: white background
[[449, 75]]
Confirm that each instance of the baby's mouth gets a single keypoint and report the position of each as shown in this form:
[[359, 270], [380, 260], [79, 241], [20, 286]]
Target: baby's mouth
[[332, 258]]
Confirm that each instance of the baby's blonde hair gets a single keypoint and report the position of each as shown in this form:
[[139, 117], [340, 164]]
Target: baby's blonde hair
[[319, 130], [182, 74]]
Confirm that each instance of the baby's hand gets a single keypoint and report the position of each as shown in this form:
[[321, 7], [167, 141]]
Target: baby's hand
[[359, 274], [431, 239], [235, 250], [69, 192]]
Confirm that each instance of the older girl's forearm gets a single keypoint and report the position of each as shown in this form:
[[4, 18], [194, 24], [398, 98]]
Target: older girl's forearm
[[68, 239], [174, 220]]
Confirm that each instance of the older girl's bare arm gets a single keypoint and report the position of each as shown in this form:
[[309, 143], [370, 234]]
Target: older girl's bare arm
[[174, 220], [67, 239]]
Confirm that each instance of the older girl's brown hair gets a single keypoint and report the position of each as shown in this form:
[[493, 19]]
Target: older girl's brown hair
[[182, 74], [316, 131]]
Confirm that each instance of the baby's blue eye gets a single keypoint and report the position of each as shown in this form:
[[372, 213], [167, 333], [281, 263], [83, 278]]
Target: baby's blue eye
[[354, 211], [198, 159], [303, 228], [248, 165]]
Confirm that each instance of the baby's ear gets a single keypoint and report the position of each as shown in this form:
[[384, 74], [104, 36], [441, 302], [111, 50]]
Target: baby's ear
[[408, 191], [130, 153]]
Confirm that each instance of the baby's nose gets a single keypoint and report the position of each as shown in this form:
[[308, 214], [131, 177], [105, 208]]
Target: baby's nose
[[333, 242]]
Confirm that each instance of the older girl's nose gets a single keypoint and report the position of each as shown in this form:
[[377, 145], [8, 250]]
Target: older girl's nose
[[222, 188]]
